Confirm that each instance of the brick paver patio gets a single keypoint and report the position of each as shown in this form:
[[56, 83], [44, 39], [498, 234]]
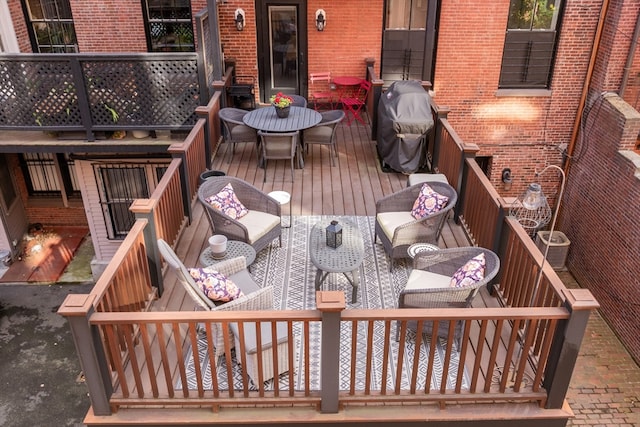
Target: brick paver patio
[[605, 386]]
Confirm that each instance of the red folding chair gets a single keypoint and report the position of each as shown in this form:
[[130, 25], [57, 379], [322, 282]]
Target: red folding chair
[[320, 93], [353, 104]]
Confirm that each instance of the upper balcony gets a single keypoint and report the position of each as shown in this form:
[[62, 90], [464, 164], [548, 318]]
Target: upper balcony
[[136, 330]]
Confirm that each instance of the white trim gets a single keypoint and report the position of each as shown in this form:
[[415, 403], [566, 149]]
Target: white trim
[[8, 39]]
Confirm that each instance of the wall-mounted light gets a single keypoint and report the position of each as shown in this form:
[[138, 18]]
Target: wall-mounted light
[[239, 19], [321, 19], [507, 179]]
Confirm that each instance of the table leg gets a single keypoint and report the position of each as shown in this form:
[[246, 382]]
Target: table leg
[[320, 278], [355, 283]]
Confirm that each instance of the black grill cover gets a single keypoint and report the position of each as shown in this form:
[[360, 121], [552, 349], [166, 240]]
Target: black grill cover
[[404, 120]]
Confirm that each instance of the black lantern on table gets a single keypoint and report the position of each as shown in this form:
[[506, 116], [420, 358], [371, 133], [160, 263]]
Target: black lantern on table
[[334, 234]]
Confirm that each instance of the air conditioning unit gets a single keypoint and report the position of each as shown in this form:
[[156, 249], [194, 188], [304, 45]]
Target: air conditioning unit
[[558, 248]]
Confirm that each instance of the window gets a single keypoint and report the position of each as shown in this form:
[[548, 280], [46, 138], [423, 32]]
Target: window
[[168, 25], [7, 190], [51, 26], [120, 184], [48, 175], [530, 44], [406, 15]]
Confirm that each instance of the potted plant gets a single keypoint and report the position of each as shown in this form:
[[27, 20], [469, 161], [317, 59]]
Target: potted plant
[[282, 104], [118, 134]]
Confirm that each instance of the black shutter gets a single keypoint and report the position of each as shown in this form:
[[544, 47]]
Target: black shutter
[[527, 59]]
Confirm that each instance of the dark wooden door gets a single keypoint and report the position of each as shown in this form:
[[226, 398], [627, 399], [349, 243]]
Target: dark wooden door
[[409, 40], [282, 47]]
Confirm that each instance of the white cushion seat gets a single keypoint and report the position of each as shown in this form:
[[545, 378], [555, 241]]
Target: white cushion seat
[[258, 224], [420, 279]]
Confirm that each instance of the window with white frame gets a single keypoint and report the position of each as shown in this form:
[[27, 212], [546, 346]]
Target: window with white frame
[[51, 26], [530, 43]]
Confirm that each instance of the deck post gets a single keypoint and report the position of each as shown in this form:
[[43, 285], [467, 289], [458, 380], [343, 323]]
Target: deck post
[[566, 345], [440, 113], [331, 304], [143, 209], [78, 309]]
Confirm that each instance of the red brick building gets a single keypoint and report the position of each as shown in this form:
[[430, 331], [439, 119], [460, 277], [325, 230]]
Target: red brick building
[[532, 83]]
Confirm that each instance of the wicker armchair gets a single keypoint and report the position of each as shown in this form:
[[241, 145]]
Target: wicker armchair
[[428, 284], [258, 228], [398, 230], [254, 298]]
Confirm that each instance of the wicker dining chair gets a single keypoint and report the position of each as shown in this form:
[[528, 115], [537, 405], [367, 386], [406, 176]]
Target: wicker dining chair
[[324, 133], [235, 131]]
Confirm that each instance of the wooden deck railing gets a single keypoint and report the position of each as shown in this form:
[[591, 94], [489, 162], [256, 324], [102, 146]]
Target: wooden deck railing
[[515, 351]]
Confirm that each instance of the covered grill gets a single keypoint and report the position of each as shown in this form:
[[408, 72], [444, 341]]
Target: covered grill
[[404, 121]]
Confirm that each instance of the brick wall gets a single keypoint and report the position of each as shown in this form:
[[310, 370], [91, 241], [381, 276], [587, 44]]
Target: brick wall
[[353, 33], [600, 209], [520, 132], [600, 216], [19, 26], [46, 211], [109, 26]]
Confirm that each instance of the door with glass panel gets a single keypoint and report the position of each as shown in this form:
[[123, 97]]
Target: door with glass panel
[[12, 214], [409, 40], [282, 47]]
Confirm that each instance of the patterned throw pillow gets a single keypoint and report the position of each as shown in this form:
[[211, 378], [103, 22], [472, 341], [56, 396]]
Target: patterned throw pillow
[[227, 202], [215, 285], [470, 273], [428, 202]]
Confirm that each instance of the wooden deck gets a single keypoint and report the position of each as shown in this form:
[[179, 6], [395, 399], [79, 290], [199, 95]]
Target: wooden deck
[[351, 187]]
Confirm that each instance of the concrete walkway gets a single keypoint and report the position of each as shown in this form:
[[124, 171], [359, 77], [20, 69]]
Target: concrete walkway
[[41, 382]]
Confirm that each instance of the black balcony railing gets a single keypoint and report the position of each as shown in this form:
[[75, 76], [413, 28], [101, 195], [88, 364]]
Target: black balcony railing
[[100, 92]]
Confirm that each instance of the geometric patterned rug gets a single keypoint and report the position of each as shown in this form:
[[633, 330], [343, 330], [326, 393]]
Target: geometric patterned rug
[[290, 272]]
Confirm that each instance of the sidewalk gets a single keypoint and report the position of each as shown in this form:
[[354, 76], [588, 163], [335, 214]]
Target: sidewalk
[[605, 386], [42, 386]]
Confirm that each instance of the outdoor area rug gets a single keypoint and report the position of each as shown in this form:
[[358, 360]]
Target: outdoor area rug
[[288, 269]]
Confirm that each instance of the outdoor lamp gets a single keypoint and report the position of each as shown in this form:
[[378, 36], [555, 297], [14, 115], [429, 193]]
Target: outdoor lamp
[[334, 234], [507, 179], [321, 19], [532, 209], [239, 19]]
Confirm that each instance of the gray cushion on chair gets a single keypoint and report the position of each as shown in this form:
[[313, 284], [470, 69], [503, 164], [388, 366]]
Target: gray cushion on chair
[[250, 341], [244, 281]]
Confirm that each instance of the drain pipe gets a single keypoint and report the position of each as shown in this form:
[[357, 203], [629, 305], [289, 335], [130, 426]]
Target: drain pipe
[[585, 89], [632, 51]]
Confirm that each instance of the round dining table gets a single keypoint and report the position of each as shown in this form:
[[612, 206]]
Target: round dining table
[[266, 120]]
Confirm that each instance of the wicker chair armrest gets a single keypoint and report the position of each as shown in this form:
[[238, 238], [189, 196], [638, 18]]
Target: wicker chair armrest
[[258, 201], [231, 266], [255, 301], [232, 228], [423, 229], [402, 200]]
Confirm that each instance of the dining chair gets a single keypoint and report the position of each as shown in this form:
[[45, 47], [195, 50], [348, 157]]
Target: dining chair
[[298, 101], [355, 103], [278, 146], [325, 132], [235, 131], [320, 94]]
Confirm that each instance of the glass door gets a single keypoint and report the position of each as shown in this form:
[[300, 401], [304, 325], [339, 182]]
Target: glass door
[[282, 48]]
